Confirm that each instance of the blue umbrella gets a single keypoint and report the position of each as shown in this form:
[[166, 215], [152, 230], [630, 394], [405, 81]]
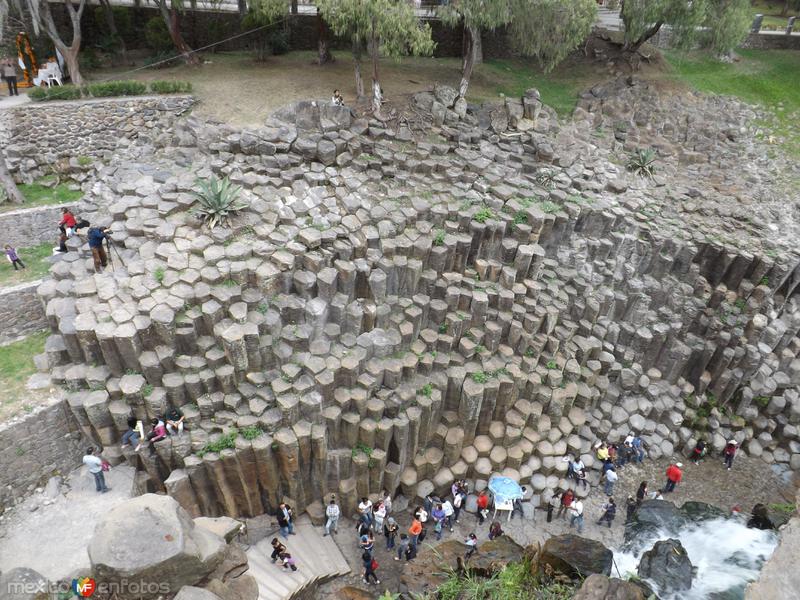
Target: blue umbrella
[[505, 489]]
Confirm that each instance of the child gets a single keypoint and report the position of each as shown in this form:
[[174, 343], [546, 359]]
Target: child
[[472, 545], [13, 257], [403, 547], [495, 530], [287, 561]]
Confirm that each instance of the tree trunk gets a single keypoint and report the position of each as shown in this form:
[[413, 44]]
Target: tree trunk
[[468, 61], [172, 19], [12, 191], [377, 93], [357, 67], [785, 10], [112, 28], [633, 47], [477, 45], [323, 41], [70, 54]]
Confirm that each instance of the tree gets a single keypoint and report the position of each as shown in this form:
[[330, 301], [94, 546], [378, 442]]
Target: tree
[[729, 23], [323, 41], [42, 18], [644, 18], [389, 27], [550, 29], [475, 15], [111, 23], [170, 11], [264, 13]]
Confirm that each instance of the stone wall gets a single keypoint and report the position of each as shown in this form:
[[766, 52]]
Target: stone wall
[[32, 449], [44, 135], [28, 227], [772, 41], [21, 311]]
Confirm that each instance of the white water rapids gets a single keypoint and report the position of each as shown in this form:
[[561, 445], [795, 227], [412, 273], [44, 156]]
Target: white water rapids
[[725, 554]]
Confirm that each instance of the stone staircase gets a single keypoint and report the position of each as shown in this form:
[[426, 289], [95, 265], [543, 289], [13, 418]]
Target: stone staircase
[[318, 559]]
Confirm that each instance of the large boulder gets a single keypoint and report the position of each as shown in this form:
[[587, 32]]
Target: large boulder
[[667, 565], [445, 94], [23, 584], [654, 515], [780, 572], [576, 556], [600, 587], [420, 578], [153, 541]]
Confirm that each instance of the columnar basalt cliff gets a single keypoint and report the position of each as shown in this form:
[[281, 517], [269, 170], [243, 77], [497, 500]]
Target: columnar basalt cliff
[[401, 304]]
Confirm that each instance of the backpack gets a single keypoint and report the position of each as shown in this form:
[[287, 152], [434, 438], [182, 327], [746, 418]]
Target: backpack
[[411, 552], [457, 501], [438, 527]]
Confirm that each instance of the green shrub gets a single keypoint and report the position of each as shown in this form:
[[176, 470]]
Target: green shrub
[[483, 215], [170, 87], [217, 200], [63, 92], [158, 274], [278, 40], [105, 89], [480, 377], [438, 238], [156, 35], [252, 432], [642, 162], [426, 390], [224, 442]]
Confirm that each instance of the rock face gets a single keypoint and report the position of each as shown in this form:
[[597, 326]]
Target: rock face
[[780, 572], [152, 540], [23, 584], [600, 587], [667, 564], [653, 515], [576, 556], [418, 576]]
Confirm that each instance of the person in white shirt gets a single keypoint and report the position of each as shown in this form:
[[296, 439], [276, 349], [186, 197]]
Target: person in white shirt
[[332, 512], [387, 501], [378, 515], [447, 507], [611, 478], [337, 99], [365, 510], [95, 465], [577, 515]]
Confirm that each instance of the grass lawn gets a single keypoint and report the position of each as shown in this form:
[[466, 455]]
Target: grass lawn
[[16, 365], [765, 77], [36, 263], [41, 194], [559, 88], [771, 9]]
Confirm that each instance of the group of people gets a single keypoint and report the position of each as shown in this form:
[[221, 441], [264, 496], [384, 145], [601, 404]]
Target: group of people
[[172, 423], [279, 551], [96, 236], [700, 451]]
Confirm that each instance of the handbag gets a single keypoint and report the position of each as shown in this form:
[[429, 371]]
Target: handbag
[[105, 465], [374, 565]]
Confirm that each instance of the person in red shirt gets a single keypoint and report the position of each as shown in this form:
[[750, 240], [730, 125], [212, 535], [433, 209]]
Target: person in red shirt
[[414, 531], [730, 452], [674, 476], [68, 221], [566, 501], [483, 503]]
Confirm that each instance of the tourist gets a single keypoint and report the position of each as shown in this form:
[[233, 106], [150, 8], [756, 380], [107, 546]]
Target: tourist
[[363, 526], [68, 221], [96, 236], [277, 549], [483, 504], [402, 549], [370, 564], [612, 452], [438, 517], [630, 508], [472, 546], [366, 543], [157, 433], [414, 531], [96, 467], [337, 99], [175, 420], [13, 257], [387, 501], [421, 514], [390, 529], [285, 520], [611, 478], [674, 476], [577, 515], [287, 561], [641, 493], [10, 75], [458, 500], [602, 452], [625, 452], [729, 452], [577, 470], [639, 449], [607, 465], [431, 500], [332, 512], [62, 240], [448, 509], [365, 509], [378, 515], [609, 512], [566, 502], [699, 451], [495, 530], [131, 435], [555, 500]]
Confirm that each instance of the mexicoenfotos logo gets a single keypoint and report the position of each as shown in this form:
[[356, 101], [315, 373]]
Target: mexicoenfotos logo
[[84, 586]]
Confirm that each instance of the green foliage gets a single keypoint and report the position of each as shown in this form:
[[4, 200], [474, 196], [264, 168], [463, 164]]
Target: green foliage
[[47, 94], [123, 23], [550, 29], [156, 35], [740, 303], [480, 377], [729, 23], [106, 89], [426, 390], [520, 217], [37, 263], [438, 238], [84, 161], [252, 432], [170, 87], [224, 442], [158, 274], [479, 348], [642, 162], [147, 389], [551, 364], [787, 508], [483, 215], [546, 178], [216, 201], [764, 281], [641, 17], [263, 308], [529, 353], [443, 327], [762, 401], [483, 14]]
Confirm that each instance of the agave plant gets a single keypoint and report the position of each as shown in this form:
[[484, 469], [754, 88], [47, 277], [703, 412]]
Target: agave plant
[[642, 162], [216, 201]]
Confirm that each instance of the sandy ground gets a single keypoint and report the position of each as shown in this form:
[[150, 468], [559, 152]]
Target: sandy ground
[[237, 89], [50, 535]]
